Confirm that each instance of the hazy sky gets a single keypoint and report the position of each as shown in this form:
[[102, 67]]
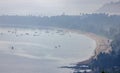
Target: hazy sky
[[50, 7]]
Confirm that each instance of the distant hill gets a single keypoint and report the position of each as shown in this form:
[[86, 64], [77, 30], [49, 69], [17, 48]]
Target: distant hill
[[111, 8]]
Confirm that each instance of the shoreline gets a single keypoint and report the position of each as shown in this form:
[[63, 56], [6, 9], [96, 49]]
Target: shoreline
[[102, 44]]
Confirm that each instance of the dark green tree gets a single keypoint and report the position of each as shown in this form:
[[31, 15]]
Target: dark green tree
[[103, 72]]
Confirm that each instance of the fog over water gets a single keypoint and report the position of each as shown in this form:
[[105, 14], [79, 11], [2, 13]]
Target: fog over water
[[42, 50]]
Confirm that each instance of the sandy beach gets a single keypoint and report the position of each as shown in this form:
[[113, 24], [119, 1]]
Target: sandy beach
[[102, 43]]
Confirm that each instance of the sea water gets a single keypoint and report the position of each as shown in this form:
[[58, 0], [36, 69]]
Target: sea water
[[42, 50]]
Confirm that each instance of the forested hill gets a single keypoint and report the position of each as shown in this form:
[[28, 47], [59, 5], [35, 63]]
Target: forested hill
[[108, 62], [96, 23]]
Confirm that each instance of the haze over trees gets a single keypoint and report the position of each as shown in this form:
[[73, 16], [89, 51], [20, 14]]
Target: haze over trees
[[111, 8], [100, 23]]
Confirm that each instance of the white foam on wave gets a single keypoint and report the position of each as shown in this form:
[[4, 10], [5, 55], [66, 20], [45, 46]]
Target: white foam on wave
[[46, 57], [2, 43], [26, 55]]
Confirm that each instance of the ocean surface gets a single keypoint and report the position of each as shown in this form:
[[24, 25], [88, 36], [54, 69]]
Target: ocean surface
[[42, 50]]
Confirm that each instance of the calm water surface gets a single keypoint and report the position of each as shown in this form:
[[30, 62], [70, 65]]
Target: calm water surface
[[42, 50]]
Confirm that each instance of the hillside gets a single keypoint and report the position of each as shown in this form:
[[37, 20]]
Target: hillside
[[108, 62]]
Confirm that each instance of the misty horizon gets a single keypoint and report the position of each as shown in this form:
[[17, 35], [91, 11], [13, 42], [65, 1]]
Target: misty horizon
[[51, 8]]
